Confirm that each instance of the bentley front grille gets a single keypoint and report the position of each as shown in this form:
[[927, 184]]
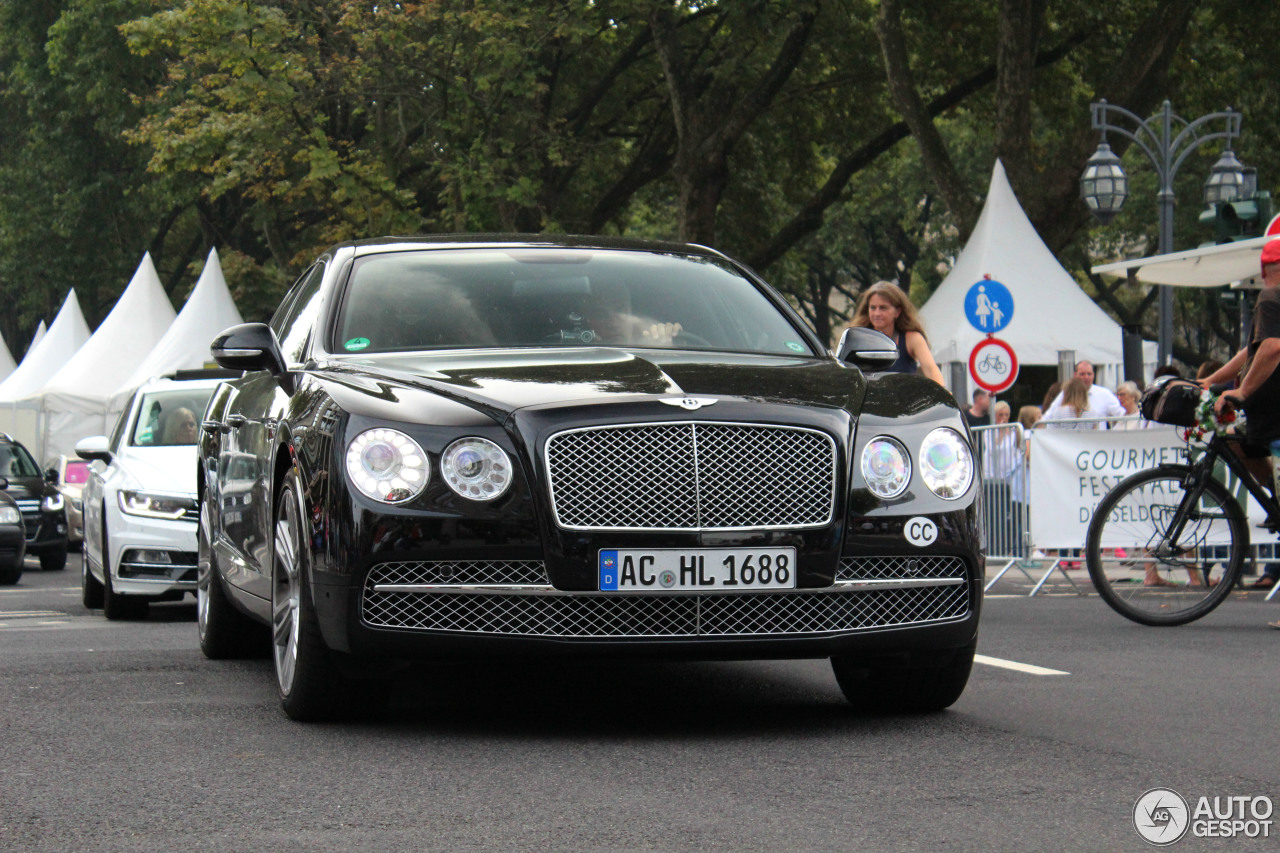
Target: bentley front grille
[[402, 596], [691, 476], [893, 568]]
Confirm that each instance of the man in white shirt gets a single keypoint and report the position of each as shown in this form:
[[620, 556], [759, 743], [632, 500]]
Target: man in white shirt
[[1102, 403]]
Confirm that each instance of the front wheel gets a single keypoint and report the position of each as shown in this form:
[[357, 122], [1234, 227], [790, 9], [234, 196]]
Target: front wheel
[[310, 683], [1164, 551], [55, 560], [909, 687]]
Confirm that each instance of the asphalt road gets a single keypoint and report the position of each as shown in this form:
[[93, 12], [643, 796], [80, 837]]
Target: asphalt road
[[122, 737]]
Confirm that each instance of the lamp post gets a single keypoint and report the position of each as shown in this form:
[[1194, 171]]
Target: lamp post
[[1104, 185]]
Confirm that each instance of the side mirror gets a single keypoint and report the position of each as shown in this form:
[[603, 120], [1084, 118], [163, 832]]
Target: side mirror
[[867, 349], [95, 448], [51, 476], [252, 346]]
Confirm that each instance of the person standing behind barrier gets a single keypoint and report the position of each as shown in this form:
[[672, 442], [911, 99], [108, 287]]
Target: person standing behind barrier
[[1128, 394], [976, 415], [1028, 416], [1101, 402], [886, 308], [1073, 402]]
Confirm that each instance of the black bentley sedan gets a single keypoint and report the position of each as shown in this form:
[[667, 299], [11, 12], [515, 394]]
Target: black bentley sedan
[[461, 446]]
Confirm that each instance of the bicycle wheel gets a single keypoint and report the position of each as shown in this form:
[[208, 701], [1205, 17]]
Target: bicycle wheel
[[1144, 573]]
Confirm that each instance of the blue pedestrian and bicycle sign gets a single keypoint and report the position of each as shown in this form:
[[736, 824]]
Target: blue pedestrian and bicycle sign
[[988, 306]]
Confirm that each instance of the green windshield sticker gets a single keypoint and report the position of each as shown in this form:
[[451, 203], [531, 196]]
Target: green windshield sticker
[[356, 344], [795, 347]]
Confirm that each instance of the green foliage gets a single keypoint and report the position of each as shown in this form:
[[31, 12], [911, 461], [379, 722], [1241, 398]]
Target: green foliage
[[272, 129]]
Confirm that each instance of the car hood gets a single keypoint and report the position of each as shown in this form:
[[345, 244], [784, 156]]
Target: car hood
[[505, 381], [159, 469]]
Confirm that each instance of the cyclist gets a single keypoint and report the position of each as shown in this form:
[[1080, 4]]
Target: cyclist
[[1258, 392]]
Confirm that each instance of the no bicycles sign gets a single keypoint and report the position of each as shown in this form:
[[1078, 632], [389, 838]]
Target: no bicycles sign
[[993, 365]]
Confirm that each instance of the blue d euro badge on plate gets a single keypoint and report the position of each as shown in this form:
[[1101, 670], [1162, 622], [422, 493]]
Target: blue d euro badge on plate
[[609, 570]]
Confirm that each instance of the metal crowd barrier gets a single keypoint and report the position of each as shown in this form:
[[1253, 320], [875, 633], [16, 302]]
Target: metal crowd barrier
[[1007, 509]]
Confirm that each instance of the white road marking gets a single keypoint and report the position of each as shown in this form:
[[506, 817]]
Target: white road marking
[[1019, 667]]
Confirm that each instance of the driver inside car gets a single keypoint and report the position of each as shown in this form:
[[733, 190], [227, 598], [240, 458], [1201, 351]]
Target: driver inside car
[[609, 318]]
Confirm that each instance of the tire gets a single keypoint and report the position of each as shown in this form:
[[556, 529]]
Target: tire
[[1144, 578], [54, 561], [90, 587], [225, 633], [115, 606], [10, 575], [907, 688], [311, 685]]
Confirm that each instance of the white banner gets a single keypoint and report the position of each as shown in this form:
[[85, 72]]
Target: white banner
[[1072, 471]]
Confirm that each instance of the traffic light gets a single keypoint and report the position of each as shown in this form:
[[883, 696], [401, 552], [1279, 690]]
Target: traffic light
[[1238, 220]]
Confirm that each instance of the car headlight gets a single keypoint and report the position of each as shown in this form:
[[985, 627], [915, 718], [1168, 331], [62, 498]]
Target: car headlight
[[476, 468], [387, 465], [154, 504], [946, 463], [53, 502], [10, 515], [886, 467]]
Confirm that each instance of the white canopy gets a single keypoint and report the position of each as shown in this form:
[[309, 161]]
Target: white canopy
[[1050, 311], [1211, 266], [209, 310], [74, 401], [48, 354], [7, 364], [35, 339]]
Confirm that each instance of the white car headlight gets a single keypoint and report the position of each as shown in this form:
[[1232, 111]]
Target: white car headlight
[[476, 468], [387, 465], [10, 515], [946, 463], [53, 502], [154, 504], [886, 467]]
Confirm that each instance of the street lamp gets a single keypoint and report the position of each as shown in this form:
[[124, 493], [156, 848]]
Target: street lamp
[[1104, 185]]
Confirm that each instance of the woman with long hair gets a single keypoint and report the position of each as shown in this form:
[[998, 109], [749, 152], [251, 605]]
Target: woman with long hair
[[886, 308], [1075, 404]]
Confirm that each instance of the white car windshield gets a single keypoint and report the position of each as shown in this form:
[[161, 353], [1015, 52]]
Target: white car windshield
[[541, 297]]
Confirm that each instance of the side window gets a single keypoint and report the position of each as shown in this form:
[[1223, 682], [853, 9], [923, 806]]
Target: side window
[[297, 313]]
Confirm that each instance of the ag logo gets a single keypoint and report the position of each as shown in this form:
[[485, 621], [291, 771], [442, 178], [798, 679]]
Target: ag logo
[[1161, 816], [921, 531]]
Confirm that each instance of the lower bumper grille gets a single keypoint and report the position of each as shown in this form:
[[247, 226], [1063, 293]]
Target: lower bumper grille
[[542, 613]]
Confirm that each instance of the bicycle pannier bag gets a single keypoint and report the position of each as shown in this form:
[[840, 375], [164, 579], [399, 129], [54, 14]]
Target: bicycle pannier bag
[[1173, 401]]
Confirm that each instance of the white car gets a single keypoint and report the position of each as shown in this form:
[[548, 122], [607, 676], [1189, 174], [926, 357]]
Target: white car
[[140, 510]]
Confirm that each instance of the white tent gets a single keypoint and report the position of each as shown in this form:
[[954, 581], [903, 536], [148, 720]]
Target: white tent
[[35, 339], [74, 401], [209, 310], [7, 364], [46, 356], [1210, 266], [1050, 311]]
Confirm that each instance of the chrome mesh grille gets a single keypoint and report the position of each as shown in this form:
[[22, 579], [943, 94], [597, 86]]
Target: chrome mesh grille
[[897, 568], [691, 476], [459, 572], [604, 616]]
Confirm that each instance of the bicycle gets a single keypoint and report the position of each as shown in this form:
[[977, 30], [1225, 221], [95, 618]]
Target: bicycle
[[1157, 537]]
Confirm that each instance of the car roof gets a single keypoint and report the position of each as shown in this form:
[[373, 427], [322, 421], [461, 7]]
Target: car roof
[[530, 241]]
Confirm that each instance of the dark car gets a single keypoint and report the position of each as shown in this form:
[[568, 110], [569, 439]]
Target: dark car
[[452, 447], [43, 507], [13, 537]]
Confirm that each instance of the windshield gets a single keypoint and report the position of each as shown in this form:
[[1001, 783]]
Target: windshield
[[557, 297], [15, 461], [170, 417]]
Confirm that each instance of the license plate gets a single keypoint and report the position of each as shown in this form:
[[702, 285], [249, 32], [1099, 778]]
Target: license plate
[[704, 569]]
